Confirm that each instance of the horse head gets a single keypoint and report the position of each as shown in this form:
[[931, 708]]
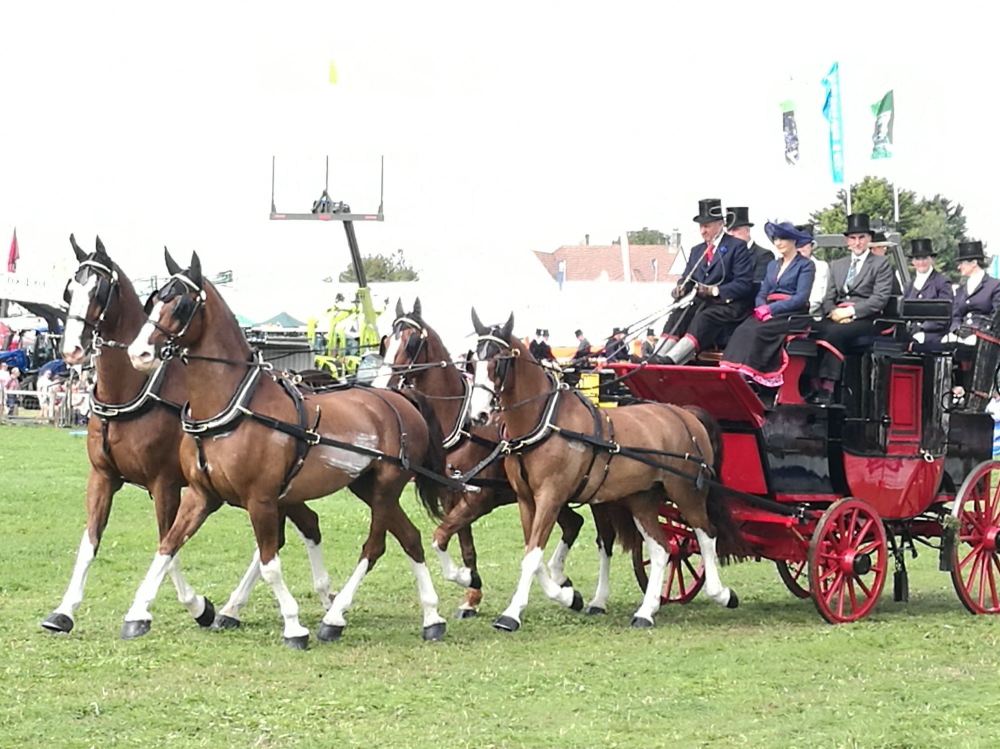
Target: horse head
[[173, 319], [406, 346], [88, 297], [494, 352]]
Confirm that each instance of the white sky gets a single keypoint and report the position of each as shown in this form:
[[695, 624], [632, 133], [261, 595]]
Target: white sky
[[506, 127]]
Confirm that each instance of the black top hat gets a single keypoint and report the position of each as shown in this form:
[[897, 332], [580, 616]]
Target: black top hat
[[857, 223], [650, 331], [709, 210], [970, 251], [577, 332], [545, 332], [921, 248], [616, 331], [739, 216]]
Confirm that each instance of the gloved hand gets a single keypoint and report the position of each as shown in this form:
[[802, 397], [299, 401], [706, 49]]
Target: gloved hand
[[679, 291], [705, 292], [969, 340], [762, 313], [920, 336]]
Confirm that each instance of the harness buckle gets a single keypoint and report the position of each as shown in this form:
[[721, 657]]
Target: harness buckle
[[313, 438], [505, 447], [616, 448]]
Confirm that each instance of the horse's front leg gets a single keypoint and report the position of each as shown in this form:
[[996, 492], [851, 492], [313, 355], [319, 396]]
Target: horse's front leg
[[605, 544], [194, 508], [306, 522], [570, 523], [469, 508], [100, 491]]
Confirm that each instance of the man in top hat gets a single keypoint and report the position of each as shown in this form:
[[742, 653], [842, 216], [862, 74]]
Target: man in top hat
[[860, 286], [616, 349], [720, 273], [822, 278], [535, 341], [977, 298], [927, 284], [739, 227], [544, 349], [880, 245], [649, 345], [582, 348]]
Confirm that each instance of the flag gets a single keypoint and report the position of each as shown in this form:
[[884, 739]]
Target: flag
[[333, 72], [791, 133], [882, 136], [831, 111], [14, 255]]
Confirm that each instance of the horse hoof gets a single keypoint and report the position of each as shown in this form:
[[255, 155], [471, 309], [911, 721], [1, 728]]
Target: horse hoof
[[734, 600], [58, 624], [506, 624], [577, 604], [330, 632], [225, 622], [132, 630], [567, 583], [207, 618], [298, 643], [466, 613], [434, 632], [594, 611], [639, 622], [476, 582]]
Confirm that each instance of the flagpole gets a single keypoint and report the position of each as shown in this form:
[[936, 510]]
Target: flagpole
[[895, 203]]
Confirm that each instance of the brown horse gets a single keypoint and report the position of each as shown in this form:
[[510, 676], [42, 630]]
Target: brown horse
[[559, 448], [134, 433], [253, 441], [420, 360]]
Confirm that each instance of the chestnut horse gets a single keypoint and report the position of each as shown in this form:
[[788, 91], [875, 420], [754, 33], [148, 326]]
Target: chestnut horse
[[254, 441], [134, 433], [419, 360], [559, 448]]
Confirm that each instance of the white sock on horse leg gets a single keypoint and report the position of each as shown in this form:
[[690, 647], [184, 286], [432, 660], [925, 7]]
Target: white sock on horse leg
[[714, 588], [239, 597], [335, 614], [74, 591], [657, 569], [603, 592], [271, 572], [529, 565]]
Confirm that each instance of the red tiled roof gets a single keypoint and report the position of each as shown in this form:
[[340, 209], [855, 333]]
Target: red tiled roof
[[589, 262]]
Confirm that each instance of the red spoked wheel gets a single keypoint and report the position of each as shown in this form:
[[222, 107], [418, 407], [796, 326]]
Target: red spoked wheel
[[848, 561], [685, 573], [795, 576], [975, 567]]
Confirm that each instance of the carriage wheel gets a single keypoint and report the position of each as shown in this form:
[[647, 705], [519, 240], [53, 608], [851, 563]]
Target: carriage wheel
[[975, 567], [685, 573], [848, 559], [793, 575]]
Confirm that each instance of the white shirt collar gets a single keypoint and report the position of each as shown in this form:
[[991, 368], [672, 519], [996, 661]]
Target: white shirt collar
[[718, 238], [921, 278], [974, 280], [860, 258]]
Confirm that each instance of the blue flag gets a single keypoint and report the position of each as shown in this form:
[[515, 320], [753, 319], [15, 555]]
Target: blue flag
[[831, 111]]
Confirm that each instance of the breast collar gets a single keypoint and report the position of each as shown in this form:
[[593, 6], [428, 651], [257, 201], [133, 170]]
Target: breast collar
[[149, 395], [459, 431]]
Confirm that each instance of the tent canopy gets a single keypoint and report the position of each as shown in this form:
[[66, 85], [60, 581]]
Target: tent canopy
[[283, 320]]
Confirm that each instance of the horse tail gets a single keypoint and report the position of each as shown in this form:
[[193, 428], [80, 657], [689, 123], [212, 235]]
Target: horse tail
[[428, 489], [730, 541], [626, 532]]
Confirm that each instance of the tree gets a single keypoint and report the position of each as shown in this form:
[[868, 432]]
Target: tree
[[936, 218], [647, 236], [382, 268]]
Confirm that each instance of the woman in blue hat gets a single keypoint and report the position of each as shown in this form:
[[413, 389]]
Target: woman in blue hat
[[755, 349]]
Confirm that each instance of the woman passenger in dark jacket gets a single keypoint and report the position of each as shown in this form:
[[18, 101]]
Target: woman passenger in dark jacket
[[755, 349]]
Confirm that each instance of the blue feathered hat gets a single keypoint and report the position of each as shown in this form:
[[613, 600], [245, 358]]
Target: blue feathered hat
[[787, 230]]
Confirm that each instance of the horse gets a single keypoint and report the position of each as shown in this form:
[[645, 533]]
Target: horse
[[254, 441], [134, 436], [417, 358], [560, 448]]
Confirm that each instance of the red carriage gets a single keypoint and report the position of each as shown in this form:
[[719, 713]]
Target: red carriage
[[837, 496]]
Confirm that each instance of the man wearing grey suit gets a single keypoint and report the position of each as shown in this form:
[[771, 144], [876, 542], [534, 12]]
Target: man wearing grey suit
[[859, 288]]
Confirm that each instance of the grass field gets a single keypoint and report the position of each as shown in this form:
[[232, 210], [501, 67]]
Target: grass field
[[770, 673]]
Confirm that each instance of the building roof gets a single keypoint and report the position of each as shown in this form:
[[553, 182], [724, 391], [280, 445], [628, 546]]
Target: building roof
[[594, 262]]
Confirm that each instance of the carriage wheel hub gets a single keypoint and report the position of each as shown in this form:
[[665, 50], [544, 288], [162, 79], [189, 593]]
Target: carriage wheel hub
[[990, 539], [853, 563]]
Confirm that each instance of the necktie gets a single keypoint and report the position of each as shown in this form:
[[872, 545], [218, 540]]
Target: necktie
[[851, 273], [709, 253]]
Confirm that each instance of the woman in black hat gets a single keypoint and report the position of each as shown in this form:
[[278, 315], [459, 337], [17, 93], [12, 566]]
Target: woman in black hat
[[927, 284], [755, 347], [978, 296]]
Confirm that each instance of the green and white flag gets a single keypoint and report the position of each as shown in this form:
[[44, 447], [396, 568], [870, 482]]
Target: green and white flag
[[882, 137]]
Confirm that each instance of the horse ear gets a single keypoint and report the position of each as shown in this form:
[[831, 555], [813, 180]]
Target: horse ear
[[80, 254], [477, 324], [194, 272], [172, 265], [399, 308], [508, 327], [100, 247], [416, 306]]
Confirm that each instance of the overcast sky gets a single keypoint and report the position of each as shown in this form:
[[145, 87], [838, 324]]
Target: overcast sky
[[506, 128]]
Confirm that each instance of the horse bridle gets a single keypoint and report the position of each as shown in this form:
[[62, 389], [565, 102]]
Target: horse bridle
[[503, 361], [170, 345], [109, 276], [409, 322]]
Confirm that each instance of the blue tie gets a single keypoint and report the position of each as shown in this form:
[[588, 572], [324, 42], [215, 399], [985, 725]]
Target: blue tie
[[852, 272]]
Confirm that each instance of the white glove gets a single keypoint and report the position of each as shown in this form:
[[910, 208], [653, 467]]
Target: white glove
[[920, 337], [969, 340], [950, 338]]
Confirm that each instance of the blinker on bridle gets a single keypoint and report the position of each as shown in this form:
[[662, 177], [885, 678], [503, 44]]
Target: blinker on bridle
[[503, 365], [168, 350], [112, 277]]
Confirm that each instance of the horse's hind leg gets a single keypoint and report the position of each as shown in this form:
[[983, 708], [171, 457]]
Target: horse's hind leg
[[570, 522], [458, 519], [409, 538], [694, 509], [644, 513], [100, 491]]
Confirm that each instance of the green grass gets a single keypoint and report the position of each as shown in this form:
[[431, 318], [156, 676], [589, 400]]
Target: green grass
[[770, 673]]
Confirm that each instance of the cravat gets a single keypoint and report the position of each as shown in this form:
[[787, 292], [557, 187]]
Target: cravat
[[851, 273], [709, 253]]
